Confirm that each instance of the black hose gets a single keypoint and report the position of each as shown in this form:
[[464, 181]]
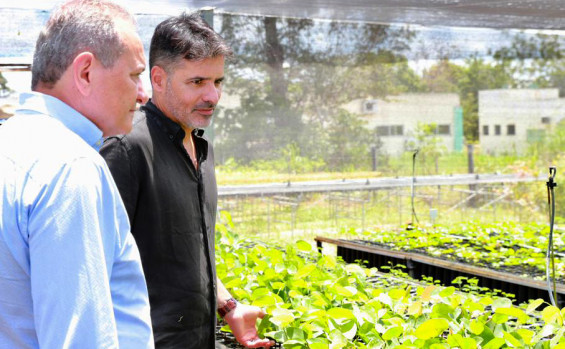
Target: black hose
[[414, 217], [550, 256]]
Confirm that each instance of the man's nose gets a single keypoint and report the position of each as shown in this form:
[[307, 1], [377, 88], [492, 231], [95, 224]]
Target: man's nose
[[142, 96], [212, 94]]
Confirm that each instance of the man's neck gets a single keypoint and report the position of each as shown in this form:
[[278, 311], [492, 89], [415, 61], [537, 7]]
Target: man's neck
[[190, 146]]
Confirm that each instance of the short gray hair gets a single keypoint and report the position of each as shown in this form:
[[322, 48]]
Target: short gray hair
[[78, 26]]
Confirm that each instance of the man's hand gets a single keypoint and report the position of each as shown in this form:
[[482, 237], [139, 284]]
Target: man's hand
[[242, 321]]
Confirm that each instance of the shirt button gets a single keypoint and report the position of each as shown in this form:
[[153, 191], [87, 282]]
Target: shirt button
[[170, 136]]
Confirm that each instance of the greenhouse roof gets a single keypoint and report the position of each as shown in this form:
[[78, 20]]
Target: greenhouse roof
[[499, 14]]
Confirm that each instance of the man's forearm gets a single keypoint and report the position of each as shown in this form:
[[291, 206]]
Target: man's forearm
[[223, 293]]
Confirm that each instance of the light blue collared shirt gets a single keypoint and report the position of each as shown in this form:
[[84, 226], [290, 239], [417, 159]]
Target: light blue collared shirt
[[70, 273]]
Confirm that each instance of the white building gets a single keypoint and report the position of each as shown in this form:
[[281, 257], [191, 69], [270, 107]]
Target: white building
[[511, 119], [396, 118]]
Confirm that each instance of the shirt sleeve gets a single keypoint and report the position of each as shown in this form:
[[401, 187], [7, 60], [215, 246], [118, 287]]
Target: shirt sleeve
[[71, 261], [117, 153]]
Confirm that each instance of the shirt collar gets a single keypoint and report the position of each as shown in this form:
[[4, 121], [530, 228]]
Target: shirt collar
[[35, 102], [173, 130], [168, 125]]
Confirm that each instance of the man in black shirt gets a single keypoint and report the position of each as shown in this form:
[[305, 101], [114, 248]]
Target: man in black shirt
[[164, 170]]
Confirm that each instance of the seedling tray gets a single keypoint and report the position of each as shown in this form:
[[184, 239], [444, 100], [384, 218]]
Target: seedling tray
[[445, 271]]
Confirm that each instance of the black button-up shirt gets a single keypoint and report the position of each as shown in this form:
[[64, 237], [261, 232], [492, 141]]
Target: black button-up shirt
[[172, 210]]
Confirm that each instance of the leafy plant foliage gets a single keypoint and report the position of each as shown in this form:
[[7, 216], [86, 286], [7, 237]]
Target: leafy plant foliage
[[317, 301], [506, 246]]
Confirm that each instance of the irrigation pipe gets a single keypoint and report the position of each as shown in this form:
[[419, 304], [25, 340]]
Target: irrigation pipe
[[550, 256], [414, 217]]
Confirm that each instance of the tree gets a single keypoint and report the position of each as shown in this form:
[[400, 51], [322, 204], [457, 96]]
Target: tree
[[294, 75], [534, 61], [478, 75], [4, 89], [443, 77]]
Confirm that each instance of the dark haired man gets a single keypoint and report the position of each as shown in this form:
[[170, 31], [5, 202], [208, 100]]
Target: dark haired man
[[165, 172], [70, 272]]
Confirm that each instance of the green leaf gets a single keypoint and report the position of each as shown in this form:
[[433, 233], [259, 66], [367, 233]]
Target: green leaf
[[431, 328], [415, 309], [448, 291], [337, 340], [512, 341], [318, 343], [266, 301], [476, 327], [279, 336], [392, 332], [294, 294], [328, 261], [457, 340], [534, 304], [277, 285], [427, 294], [397, 293], [341, 314], [233, 283], [345, 291], [295, 333], [304, 246], [501, 303], [305, 271], [348, 328], [298, 283], [294, 344], [500, 318], [355, 269], [546, 331], [515, 312], [282, 321], [260, 292], [434, 346], [557, 337], [550, 314], [441, 310], [495, 343], [313, 314], [526, 335]]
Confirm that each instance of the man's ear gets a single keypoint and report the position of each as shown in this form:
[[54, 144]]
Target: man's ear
[[82, 68], [158, 79]]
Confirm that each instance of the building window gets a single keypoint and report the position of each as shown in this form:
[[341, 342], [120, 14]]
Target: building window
[[485, 130], [392, 130], [370, 106], [546, 120], [511, 130], [443, 129], [497, 130], [383, 131]]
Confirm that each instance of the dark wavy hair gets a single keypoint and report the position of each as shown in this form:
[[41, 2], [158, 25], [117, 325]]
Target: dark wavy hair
[[186, 36]]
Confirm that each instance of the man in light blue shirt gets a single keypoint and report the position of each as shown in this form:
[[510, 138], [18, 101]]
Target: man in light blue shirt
[[70, 274]]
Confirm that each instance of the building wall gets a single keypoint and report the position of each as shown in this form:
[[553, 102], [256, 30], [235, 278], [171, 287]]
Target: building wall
[[529, 112], [406, 111]]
